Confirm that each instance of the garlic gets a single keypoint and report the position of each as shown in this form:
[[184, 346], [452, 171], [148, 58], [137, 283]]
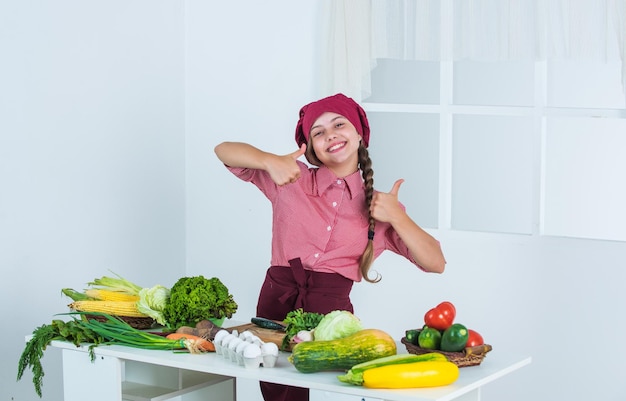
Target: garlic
[[302, 336]]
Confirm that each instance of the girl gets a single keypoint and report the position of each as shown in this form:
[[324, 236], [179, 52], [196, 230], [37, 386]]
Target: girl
[[328, 223]]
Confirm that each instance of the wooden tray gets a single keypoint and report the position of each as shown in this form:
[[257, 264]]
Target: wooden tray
[[266, 335]]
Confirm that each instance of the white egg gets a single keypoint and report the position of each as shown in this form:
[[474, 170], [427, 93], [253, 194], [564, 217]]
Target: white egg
[[234, 343], [240, 347], [220, 335], [254, 340], [252, 351], [269, 349], [226, 339]]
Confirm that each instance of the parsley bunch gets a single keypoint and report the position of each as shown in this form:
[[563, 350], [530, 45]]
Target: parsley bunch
[[298, 320]]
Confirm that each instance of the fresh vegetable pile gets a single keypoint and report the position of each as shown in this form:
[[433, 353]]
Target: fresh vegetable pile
[[80, 330], [189, 301], [100, 313], [368, 357], [120, 297], [441, 333]]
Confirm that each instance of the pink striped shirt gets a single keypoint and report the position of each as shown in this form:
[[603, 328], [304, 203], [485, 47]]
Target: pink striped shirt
[[322, 219]]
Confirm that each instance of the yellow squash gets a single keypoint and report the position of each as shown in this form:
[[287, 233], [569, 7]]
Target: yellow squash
[[412, 375]]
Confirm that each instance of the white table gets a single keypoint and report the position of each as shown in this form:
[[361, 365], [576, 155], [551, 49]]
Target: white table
[[126, 373]]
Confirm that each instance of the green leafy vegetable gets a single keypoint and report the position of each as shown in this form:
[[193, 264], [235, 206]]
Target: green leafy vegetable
[[193, 299], [152, 302], [70, 331], [337, 324], [298, 320]]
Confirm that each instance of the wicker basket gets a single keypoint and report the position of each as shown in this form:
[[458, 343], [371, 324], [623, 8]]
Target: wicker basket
[[470, 356], [140, 323]]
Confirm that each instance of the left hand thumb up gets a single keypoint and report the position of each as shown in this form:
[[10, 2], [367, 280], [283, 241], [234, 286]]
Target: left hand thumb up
[[396, 187]]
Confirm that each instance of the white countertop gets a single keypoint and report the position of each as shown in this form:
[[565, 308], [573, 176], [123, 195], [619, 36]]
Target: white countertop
[[496, 364]]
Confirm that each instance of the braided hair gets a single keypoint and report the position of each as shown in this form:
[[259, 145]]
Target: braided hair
[[365, 262], [365, 164]]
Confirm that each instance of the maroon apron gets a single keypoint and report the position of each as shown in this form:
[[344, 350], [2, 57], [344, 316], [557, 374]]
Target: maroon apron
[[289, 288]]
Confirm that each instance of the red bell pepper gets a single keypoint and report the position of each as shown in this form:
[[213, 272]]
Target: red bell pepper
[[440, 317]]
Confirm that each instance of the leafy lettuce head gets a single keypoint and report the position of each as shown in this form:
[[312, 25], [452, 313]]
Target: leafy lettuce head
[[197, 298], [337, 324], [152, 301]]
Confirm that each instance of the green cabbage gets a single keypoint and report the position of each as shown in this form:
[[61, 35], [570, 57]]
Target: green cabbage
[[152, 301], [337, 324]]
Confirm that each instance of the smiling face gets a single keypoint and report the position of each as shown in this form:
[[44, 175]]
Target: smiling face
[[336, 143]]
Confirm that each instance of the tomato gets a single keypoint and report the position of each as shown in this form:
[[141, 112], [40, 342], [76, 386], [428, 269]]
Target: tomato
[[474, 338], [440, 317], [454, 338]]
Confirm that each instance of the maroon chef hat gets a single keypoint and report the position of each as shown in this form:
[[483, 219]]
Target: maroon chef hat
[[340, 104]]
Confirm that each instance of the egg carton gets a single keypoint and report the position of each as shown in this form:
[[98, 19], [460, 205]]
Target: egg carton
[[245, 349]]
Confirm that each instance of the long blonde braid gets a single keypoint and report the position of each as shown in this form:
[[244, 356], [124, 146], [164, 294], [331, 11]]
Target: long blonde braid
[[365, 262]]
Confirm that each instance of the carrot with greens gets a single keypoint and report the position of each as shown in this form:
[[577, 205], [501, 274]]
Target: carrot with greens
[[198, 342], [80, 330], [43, 335]]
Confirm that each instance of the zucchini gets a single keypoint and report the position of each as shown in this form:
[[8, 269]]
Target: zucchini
[[343, 353], [355, 374], [267, 323], [412, 375]]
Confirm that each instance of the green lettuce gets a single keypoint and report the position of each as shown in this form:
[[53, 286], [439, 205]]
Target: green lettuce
[[152, 302], [197, 298], [337, 324]]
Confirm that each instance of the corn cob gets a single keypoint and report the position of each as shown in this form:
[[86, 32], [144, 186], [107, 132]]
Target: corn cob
[[117, 308], [106, 295], [75, 295]]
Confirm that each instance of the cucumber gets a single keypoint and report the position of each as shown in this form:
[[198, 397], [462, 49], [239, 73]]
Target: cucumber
[[267, 323]]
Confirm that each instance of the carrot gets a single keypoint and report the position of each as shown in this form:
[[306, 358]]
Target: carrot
[[193, 341]]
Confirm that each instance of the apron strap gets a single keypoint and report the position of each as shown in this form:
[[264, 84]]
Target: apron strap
[[301, 280]]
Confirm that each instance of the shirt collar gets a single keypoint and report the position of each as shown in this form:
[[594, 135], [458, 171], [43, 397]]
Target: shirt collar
[[325, 178]]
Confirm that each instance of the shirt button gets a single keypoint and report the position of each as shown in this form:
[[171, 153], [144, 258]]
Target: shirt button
[[317, 255], [334, 204], [328, 228], [338, 182]]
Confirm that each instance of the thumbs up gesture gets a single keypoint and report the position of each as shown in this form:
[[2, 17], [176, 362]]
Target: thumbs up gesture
[[385, 206], [284, 169]]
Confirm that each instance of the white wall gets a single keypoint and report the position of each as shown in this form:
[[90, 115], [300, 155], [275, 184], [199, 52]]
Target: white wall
[[92, 159], [95, 173], [250, 67], [528, 295]]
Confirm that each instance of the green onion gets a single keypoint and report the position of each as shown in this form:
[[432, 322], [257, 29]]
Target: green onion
[[116, 331]]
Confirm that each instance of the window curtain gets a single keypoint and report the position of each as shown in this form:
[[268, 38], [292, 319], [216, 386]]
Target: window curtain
[[361, 31]]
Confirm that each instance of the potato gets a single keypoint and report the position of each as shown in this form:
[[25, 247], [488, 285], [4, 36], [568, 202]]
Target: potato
[[187, 330]]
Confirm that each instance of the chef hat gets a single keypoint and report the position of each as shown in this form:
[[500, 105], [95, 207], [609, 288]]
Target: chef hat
[[339, 104]]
